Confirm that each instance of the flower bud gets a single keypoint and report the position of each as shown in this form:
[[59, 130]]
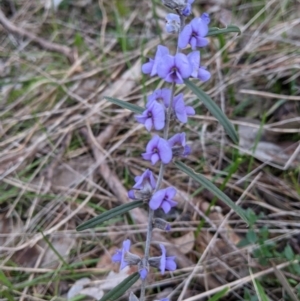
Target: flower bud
[[161, 224], [132, 259], [154, 262], [174, 4], [172, 23]]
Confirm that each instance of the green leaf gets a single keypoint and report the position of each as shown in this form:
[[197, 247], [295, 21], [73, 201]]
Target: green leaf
[[4, 280], [213, 31], [289, 253], [251, 236], [126, 105], [117, 211], [214, 109], [121, 288], [262, 296], [219, 294], [212, 188]]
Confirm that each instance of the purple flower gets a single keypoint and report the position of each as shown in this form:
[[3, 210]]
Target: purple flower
[[162, 96], [173, 23], [188, 9], [194, 33], [174, 68], [180, 109], [153, 116], [145, 181], [158, 149], [143, 273], [205, 17], [166, 263], [163, 199], [144, 186], [151, 66], [178, 145], [119, 256], [198, 71]]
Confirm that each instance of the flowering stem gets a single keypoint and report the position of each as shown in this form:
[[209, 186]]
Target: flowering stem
[[159, 181]]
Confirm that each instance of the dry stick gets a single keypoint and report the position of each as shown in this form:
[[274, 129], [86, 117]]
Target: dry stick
[[71, 54], [269, 95], [237, 283], [213, 240]]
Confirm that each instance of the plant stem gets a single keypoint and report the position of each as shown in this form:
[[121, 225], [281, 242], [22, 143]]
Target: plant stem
[[158, 184], [159, 179]]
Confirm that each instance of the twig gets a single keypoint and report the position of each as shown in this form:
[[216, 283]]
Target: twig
[[71, 54]]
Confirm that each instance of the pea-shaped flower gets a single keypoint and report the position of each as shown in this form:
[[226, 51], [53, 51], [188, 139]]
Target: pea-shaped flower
[[172, 23], [179, 146], [163, 199], [153, 116], [144, 186], [174, 68], [188, 9], [198, 71], [151, 66], [182, 111], [194, 33], [166, 262], [162, 96], [158, 149], [163, 262], [124, 256]]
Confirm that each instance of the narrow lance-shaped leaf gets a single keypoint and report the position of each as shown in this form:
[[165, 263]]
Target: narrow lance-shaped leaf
[[126, 105], [117, 211], [121, 288], [219, 294], [213, 31], [214, 109], [212, 188]]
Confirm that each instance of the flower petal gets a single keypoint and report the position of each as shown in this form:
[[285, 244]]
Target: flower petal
[[201, 42], [157, 199], [162, 265], [194, 59], [183, 65], [148, 124], [203, 74], [166, 65], [131, 194], [170, 192], [152, 144], [158, 116], [205, 18], [126, 244], [165, 151], [143, 273], [117, 256], [147, 67], [200, 27], [170, 263], [154, 158], [184, 36], [166, 207], [190, 110]]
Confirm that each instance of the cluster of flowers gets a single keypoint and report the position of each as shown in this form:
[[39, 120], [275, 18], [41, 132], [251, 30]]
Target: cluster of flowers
[[161, 105]]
